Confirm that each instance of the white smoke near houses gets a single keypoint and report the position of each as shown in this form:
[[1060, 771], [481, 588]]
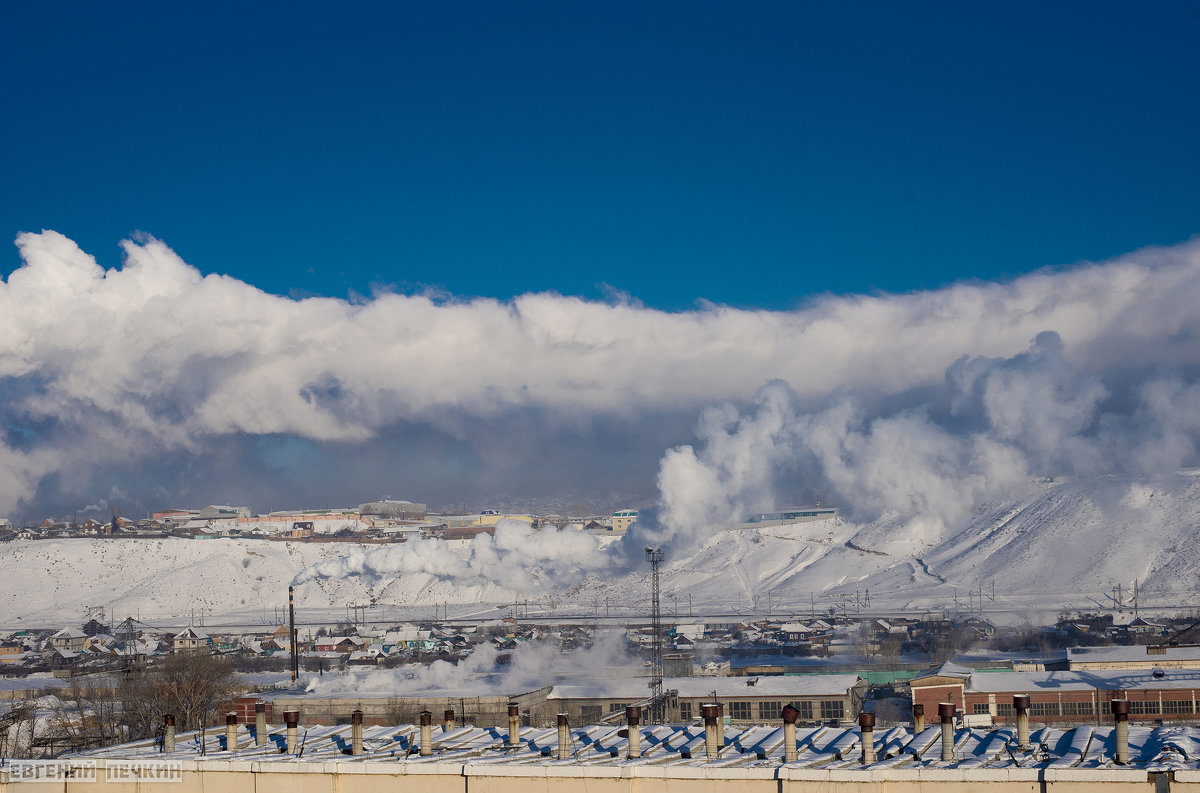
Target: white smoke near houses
[[529, 665]]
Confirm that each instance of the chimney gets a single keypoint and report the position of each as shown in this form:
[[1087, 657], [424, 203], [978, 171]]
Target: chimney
[[1120, 712], [918, 718], [564, 738], [1021, 708], [426, 733], [448, 720], [946, 714], [230, 731], [356, 746], [866, 725], [790, 715], [514, 724], [633, 721], [168, 732], [260, 723], [713, 733], [291, 718]]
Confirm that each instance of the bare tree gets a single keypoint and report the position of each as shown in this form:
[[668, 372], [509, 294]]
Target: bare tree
[[193, 687]]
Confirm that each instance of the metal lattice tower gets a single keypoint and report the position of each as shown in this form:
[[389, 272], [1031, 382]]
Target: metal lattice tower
[[657, 709]]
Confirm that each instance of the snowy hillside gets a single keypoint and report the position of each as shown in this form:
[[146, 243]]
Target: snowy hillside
[[1050, 545]]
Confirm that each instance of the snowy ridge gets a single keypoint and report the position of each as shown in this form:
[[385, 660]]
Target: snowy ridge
[[1050, 545]]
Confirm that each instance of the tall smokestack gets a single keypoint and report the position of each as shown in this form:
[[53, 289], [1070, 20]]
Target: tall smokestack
[[230, 731], [448, 720], [1021, 708], [356, 741], [790, 715], [292, 632], [712, 732], [426, 733], [292, 719], [946, 714], [1120, 712], [260, 723], [918, 718], [633, 722], [564, 737], [866, 726], [514, 724], [168, 732]]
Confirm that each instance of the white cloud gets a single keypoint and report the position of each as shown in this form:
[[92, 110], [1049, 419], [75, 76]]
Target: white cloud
[[153, 356]]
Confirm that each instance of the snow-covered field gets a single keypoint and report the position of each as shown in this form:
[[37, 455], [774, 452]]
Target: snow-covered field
[[1050, 546]]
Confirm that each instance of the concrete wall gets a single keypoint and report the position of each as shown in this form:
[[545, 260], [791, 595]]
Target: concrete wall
[[569, 777]]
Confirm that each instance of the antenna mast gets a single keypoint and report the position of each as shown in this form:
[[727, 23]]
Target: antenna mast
[[657, 714]]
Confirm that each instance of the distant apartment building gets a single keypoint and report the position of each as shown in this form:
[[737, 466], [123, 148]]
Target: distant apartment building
[[624, 518]]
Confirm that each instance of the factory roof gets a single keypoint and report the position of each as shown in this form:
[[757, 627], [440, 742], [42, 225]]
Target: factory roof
[[703, 687], [1104, 680], [1131, 654], [460, 749]]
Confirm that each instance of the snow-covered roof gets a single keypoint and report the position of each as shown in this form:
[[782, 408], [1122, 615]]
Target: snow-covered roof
[[749, 755], [727, 688], [1104, 680], [69, 633], [191, 633], [1125, 654]]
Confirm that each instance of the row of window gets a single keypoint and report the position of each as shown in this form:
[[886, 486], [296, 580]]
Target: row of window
[[1044, 709], [825, 710]]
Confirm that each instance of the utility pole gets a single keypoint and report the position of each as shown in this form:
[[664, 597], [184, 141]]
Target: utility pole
[[292, 632]]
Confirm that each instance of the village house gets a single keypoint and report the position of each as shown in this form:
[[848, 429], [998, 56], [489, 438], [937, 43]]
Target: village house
[[191, 640]]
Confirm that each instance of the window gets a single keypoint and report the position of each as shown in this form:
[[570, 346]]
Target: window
[[740, 711], [831, 709], [769, 711], [1043, 709], [980, 707], [805, 708], [1143, 707], [1177, 706], [616, 707], [590, 714], [1077, 709], [685, 711], [1004, 710]]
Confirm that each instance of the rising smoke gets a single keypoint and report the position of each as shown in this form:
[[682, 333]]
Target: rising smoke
[[917, 404]]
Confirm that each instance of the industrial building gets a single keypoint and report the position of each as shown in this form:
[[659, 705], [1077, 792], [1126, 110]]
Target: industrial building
[[1063, 697], [443, 754], [819, 699]]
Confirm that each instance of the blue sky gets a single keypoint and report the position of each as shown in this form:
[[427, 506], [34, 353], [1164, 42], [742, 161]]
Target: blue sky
[[674, 153], [780, 160]]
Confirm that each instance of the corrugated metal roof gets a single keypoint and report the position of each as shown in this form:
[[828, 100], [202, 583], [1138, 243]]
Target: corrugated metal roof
[[1085, 747]]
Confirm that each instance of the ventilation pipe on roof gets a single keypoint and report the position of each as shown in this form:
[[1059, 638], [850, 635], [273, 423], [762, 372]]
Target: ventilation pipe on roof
[[356, 738], [1120, 712], [1021, 708], [713, 739], [448, 720], [633, 721], [291, 718], [230, 731], [946, 715], [260, 723], [790, 715], [168, 732], [564, 737], [426, 733], [866, 725], [514, 724], [918, 718]]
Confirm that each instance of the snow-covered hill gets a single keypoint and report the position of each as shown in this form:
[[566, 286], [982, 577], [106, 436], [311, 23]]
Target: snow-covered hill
[[1049, 546]]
